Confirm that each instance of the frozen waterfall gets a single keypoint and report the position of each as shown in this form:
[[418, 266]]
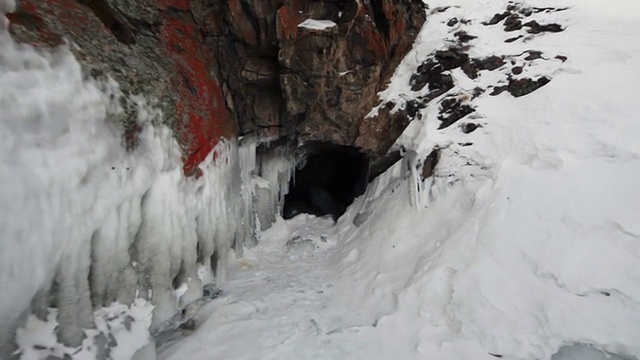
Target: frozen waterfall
[[95, 237]]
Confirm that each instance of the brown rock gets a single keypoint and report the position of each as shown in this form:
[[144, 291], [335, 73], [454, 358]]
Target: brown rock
[[512, 23], [430, 163], [210, 63], [328, 79], [240, 22], [536, 28]]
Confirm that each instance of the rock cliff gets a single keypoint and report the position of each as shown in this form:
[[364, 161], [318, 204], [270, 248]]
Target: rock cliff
[[228, 68]]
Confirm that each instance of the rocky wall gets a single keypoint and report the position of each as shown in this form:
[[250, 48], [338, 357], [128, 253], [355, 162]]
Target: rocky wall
[[219, 69], [284, 79], [149, 47]]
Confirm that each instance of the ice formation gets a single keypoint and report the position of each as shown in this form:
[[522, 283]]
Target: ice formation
[[274, 172], [88, 225]]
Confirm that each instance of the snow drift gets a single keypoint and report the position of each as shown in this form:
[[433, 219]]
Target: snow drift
[[529, 238]]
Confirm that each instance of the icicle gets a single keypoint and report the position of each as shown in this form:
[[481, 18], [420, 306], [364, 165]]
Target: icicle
[[276, 170], [217, 213], [247, 154], [74, 303], [158, 255], [410, 172]]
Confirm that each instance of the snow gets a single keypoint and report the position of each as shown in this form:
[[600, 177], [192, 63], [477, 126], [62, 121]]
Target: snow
[[524, 245], [581, 352], [317, 24], [126, 326]]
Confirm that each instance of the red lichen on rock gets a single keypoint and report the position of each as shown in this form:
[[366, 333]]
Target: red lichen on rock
[[30, 17], [397, 23], [202, 115]]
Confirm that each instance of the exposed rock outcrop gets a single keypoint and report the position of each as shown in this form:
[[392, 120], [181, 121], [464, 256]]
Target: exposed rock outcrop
[[317, 84], [210, 63]]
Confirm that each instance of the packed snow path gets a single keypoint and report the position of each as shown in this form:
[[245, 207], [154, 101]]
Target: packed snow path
[[276, 298]]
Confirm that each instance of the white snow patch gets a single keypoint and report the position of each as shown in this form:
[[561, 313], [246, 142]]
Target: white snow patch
[[125, 328], [314, 24]]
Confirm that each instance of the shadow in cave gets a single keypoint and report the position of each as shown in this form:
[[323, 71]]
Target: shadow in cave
[[331, 178]]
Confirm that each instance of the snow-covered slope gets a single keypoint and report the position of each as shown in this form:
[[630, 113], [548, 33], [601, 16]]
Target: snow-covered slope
[[524, 241]]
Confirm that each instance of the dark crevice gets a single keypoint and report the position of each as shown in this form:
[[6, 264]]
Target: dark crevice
[[214, 263], [122, 32], [181, 277], [380, 19], [349, 11], [331, 178]]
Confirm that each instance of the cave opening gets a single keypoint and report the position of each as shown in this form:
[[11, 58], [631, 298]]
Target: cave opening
[[328, 180]]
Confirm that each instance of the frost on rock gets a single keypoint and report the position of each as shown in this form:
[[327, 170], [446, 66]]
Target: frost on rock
[[87, 224]]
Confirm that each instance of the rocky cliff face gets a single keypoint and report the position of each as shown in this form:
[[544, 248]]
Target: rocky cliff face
[[219, 69], [315, 83], [149, 47]]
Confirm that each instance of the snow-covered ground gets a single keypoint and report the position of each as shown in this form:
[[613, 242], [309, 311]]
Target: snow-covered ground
[[526, 241]]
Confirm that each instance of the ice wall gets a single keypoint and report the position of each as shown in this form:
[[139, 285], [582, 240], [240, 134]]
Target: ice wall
[[85, 223]]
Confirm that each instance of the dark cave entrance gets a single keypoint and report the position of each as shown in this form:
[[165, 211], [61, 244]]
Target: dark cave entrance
[[331, 178]]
